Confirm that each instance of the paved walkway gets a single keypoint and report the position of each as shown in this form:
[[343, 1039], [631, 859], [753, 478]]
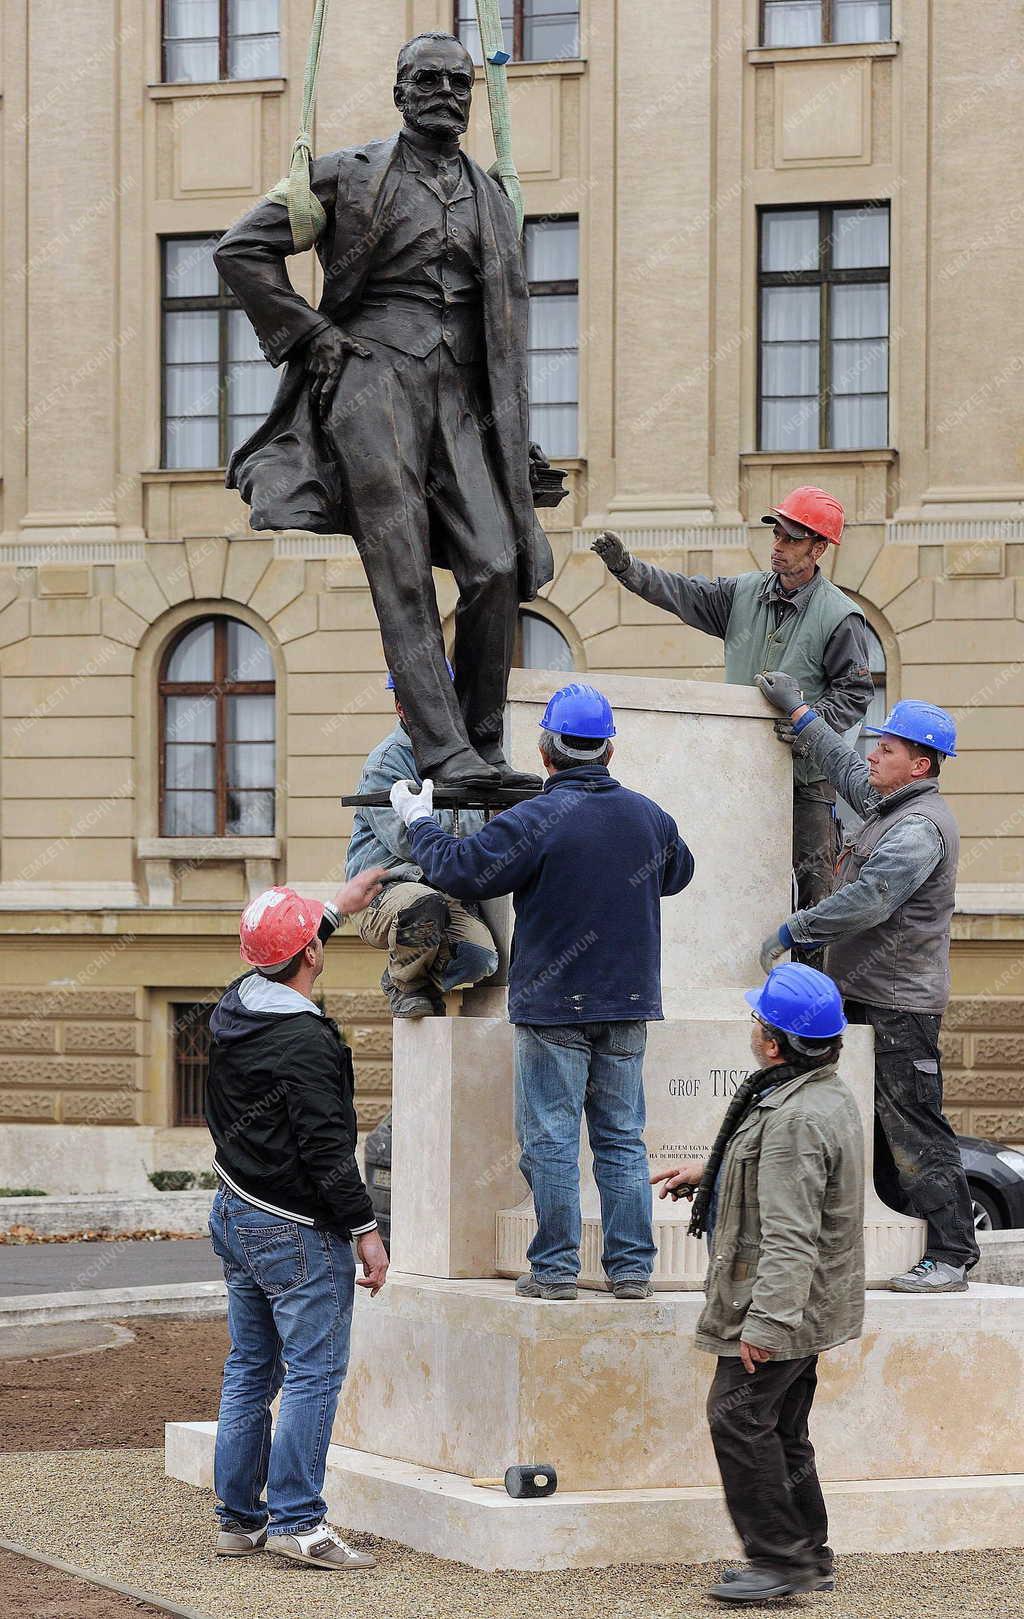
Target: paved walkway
[[71, 1267]]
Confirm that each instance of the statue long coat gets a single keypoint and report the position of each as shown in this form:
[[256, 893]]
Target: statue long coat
[[290, 471]]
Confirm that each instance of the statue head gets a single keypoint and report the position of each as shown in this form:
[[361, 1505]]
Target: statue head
[[434, 85]]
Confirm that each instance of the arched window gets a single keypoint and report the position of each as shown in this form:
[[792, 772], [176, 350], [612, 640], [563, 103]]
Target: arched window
[[217, 767], [878, 706], [539, 645]]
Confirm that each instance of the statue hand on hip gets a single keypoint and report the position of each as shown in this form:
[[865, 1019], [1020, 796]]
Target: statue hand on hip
[[326, 354]]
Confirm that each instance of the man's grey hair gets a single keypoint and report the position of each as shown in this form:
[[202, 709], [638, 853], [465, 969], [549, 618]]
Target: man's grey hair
[[566, 752], [405, 54]]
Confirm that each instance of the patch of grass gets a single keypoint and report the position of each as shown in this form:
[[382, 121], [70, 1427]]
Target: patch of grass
[[172, 1180], [21, 1191]]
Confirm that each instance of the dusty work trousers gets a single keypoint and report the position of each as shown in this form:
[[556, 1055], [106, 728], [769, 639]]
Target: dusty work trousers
[[758, 1424], [814, 851], [420, 479], [918, 1169], [434, 942]]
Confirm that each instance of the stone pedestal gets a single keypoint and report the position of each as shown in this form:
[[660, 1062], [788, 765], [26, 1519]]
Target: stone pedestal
[[452, 1377]]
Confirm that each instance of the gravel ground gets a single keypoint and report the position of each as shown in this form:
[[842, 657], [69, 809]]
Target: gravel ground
[[116, 1512]]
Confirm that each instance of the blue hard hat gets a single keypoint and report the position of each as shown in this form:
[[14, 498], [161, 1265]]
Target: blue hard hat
[[923, 723], [800, 1001], [579, 711], [389, 684]]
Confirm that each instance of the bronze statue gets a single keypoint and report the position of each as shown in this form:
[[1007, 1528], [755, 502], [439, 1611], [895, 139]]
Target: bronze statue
[[402, 415]]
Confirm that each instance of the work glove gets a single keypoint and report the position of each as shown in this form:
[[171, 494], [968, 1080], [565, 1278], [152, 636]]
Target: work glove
[[411, 806], [612, 552], [782, 691], [784, 731], [772, 951]]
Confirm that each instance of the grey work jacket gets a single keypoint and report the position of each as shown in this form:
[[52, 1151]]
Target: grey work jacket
[[886, 927], [787, 1273]]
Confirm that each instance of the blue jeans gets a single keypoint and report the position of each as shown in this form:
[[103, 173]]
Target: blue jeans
[[562, 1073], [290, 1290]]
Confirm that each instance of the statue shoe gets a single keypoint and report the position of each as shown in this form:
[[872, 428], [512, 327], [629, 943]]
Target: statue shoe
[[508, 776], [467, 770]]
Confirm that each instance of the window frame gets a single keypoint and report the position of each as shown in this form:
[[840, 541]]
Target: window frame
[[558, 289], [223, 48], [827, 26], [180, 1120], [519, 31], [220, 688], [222, 303], [526, 612], [824, 277]]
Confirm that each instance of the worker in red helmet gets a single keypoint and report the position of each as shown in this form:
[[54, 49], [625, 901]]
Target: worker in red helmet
[[290, 1206], [790, 618]]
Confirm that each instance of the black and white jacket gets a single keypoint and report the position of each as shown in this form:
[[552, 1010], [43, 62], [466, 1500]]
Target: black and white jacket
[[279, 1104]]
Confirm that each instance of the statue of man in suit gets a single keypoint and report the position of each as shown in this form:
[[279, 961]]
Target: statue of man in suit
[[402, 415]]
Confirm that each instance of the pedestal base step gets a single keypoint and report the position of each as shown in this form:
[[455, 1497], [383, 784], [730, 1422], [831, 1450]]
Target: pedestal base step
[[442, 1513]]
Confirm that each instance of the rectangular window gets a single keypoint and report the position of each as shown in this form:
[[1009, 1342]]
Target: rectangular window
[[207, 40], [552, 266], [217, 387], [825, 22], [190, 1055], [534, 30], [824, 328]]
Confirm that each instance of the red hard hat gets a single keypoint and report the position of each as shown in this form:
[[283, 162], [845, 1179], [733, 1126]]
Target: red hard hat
[[811, 508], [276, 925]]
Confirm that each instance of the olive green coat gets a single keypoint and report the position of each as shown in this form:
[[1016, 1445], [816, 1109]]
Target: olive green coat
[[787, 1267]]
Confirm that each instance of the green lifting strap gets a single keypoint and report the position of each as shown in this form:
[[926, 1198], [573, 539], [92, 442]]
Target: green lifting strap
[[492, 41], [305, 211]]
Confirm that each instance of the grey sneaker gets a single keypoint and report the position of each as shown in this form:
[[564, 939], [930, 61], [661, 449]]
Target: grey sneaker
[[234, 1541], [527, 1287], [757, 1585], [321, 1547], [631, 1288], [931, 1276], [826, 1577], [409, 1002]]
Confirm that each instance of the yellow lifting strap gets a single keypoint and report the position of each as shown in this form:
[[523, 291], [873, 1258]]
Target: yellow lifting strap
[[305, 212]]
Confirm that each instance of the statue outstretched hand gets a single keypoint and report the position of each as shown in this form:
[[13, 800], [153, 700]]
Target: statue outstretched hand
[[326, 354]]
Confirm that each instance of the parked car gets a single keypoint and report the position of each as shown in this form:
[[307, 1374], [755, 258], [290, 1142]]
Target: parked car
[[995, 1175], [378, 1175]]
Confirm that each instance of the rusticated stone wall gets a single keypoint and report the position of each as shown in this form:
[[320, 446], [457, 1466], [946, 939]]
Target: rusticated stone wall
[[71, 1056], [983, 1066], [365, 1020]]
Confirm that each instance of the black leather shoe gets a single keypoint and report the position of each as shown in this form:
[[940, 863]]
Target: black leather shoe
[[509, 777]]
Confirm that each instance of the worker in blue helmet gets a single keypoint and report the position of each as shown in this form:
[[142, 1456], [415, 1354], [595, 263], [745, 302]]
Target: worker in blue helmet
[[435, 943], [885, 930], [587, 863], [781, 1202]]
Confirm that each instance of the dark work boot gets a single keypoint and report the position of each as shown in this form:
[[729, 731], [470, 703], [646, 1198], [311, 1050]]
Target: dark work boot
[[406, 1002]]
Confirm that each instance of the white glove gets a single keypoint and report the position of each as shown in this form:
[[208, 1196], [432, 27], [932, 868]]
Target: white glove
[[410, 806]]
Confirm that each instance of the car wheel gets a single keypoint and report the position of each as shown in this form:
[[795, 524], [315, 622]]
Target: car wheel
[[988, 1216]]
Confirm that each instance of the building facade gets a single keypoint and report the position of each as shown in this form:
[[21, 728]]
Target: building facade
[[769, 243]]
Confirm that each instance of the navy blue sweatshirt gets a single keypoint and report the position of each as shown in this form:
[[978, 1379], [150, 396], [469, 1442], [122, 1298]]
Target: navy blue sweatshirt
[[586, 864]]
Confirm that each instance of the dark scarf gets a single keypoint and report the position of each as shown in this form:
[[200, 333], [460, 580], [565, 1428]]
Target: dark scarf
[[747, 1096]]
